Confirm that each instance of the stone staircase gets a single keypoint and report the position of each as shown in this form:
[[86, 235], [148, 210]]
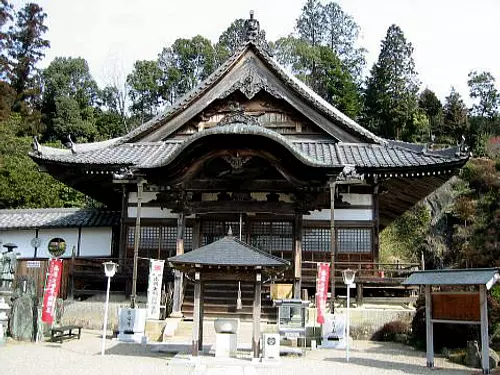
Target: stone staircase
[[220, 301]]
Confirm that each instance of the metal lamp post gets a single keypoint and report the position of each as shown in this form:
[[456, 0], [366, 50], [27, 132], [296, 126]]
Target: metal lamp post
[[348, 277], [109, 270]]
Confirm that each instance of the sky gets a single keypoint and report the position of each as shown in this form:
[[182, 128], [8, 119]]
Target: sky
[[450, 37]]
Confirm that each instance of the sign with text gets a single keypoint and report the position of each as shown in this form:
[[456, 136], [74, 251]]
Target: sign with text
[[51, 290], [322, 290], [154, 288]]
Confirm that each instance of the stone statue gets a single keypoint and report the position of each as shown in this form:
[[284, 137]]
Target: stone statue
[[8, 263]]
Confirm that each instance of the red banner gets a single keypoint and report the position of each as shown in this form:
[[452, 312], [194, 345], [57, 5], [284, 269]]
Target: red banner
[[51, 290], [322, 290]]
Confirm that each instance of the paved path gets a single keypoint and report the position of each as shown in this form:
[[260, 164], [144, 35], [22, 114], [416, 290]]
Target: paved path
[[82, 357]]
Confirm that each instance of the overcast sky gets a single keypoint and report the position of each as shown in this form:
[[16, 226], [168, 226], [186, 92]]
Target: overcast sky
[[450, 37]]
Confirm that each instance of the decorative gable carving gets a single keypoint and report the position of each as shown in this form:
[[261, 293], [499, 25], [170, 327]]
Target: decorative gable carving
[[251, 81]]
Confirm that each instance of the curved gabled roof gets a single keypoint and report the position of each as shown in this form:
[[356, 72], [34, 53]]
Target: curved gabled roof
[[314, 153]]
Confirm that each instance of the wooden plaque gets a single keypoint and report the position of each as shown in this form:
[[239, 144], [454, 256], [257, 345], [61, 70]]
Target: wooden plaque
[[456, 306]]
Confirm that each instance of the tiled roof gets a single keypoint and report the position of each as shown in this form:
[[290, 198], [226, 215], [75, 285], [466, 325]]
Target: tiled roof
[[229, 251], [470, 276], [310, 152], [57, 218]]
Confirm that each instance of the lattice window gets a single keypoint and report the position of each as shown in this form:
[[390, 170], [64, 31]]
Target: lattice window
[[214, 230], [150, 243], [316, 240], [272, 236], [354, 240]]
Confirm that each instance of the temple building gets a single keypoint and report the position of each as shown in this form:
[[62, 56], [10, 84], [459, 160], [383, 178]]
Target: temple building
[[254, 151]]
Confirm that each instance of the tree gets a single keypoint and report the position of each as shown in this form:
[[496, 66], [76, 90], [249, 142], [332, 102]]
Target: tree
[[22, 185], [145, 89], [321, 69], [391, 91], [432, 107], [232, 38], [311, 22], [455, 120], [26, 49], [184, 65], [482, 89], [115, 94], [6, 11], [341, 35], [69, 100]]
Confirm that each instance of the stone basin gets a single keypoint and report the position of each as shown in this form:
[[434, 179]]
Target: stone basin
[[226, 325]]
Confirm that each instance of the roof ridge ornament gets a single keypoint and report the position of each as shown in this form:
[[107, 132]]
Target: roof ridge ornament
[[252, 28]]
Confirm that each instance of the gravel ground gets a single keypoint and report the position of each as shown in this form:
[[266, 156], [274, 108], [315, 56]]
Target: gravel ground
[[82, 356]]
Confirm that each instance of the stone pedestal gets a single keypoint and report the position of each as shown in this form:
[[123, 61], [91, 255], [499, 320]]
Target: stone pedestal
[[131, 325], [225, 345]]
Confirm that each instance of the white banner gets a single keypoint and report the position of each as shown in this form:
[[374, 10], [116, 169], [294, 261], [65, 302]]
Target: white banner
[[154, 288]]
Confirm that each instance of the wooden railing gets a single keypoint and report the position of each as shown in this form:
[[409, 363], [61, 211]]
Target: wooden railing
[[366, 272]]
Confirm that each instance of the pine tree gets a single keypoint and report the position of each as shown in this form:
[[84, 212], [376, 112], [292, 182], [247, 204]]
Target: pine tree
[[391, 91]]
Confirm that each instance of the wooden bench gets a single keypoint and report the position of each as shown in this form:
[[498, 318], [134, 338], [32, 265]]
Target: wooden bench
[[60, 333]]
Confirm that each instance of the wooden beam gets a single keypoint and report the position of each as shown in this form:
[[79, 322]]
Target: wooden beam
[[256, 315], [429, 328]]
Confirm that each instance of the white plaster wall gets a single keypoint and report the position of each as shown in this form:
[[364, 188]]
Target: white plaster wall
[[147, 196], [21, 238], [342, 214], [70, 235], [357, 199], [152, 212], [95, 242]]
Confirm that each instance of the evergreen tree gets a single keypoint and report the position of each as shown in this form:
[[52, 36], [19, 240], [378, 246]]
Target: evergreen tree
[[232, 38], [26, 49], [145, 89], [432, 107], [70, 98], [321, 69], [341, 35], [184, 65], [391, 91], [455, 120], [6, 17], [482, 89], [311, 23]]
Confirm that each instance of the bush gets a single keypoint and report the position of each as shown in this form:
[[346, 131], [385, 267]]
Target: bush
[[391, 330]]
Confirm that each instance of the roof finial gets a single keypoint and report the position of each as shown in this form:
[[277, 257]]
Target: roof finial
[[252, 28]]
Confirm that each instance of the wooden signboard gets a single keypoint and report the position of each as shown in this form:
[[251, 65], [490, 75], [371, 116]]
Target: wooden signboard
[[456, 306]]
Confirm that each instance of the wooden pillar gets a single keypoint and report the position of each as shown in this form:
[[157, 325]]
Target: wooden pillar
[[196, 315], [485, 342], [376, 223], [256, 315], [332, 245], [202, 307], [196, 233], [137, 237], [122, 247], [178, 275], [297, 258], [429, 327], [359, 294]]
